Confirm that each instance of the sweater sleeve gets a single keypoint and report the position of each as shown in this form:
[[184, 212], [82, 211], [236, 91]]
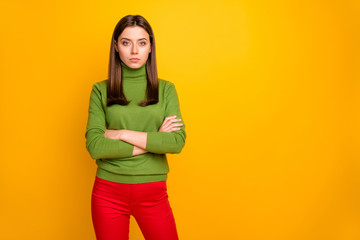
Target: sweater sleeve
[[165, 142], [96, 143]]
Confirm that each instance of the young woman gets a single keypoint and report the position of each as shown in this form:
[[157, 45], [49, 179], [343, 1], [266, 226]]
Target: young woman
[[134, 120]]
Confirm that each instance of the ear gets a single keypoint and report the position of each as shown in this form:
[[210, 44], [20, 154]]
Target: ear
[[115, 44]]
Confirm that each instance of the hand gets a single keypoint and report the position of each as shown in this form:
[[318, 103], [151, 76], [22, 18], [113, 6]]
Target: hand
[[169, 126], [112, 134]]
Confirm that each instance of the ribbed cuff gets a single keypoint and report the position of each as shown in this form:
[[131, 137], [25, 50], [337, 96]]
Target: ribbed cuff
[[130, 150], [153, 141]]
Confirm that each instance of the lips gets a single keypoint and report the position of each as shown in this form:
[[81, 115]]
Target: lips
[[134, 60]]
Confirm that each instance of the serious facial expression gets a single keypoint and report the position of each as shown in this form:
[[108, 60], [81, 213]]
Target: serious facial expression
[[133, 46]]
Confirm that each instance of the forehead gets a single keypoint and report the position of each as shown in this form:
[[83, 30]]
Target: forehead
[[134, 33]]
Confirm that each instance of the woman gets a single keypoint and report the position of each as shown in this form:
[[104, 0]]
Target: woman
[[134, 120]]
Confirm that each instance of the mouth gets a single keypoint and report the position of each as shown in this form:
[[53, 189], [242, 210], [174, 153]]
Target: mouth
[[134, 59]]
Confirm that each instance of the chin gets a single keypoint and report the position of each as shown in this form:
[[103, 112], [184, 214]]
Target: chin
[[137, 65]]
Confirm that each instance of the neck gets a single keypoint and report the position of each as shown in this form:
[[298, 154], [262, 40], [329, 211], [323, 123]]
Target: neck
[[133, 74]]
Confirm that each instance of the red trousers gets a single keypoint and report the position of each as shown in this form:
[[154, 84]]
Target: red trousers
[[112, 204]]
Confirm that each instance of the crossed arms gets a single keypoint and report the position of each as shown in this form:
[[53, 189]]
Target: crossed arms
[[139, 139], [105, 143]]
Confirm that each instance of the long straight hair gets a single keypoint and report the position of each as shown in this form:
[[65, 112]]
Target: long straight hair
[[115, 94]]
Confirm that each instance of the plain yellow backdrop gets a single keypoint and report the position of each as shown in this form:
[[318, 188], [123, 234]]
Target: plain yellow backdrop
[[269, 92]]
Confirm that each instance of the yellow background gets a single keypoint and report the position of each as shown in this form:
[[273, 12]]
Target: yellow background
[[269, 92]]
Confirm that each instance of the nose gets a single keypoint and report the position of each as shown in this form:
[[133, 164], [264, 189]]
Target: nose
[[134, 48]]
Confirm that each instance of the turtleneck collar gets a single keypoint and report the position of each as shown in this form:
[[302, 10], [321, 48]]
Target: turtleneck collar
[[133, 74]]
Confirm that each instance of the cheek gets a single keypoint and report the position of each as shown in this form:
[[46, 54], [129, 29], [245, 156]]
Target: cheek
[[122, 52], [146, 52]]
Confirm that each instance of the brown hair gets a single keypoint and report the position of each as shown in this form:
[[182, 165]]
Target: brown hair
[[115, 94]]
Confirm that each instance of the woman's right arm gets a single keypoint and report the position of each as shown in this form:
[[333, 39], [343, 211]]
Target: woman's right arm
[[96, 143]]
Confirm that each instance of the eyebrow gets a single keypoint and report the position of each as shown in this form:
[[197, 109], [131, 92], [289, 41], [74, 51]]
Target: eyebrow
[[130, 39]]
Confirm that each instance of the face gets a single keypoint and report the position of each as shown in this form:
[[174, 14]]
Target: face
[[133, 46]]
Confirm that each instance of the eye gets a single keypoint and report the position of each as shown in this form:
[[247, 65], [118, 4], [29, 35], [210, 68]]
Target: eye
[[124, 42], [143, 43]]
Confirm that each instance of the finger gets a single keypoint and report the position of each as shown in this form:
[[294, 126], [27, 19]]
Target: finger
[[170, 117], [168, 120], [172, 128], [175, 120], [175, 129]]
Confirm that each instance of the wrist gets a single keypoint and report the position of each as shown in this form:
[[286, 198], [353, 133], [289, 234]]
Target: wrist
[[120, 134]]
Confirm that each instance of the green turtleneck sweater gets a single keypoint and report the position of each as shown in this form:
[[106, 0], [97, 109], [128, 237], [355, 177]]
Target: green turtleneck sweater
[[114, 157]]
